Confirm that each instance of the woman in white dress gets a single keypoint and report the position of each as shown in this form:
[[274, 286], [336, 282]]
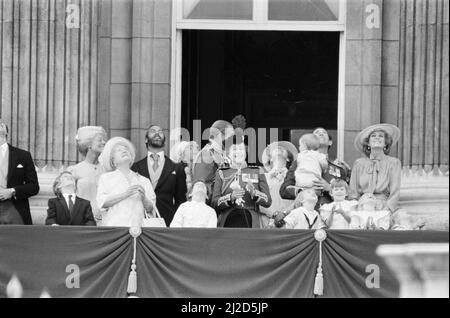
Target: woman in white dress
[[126, 195], [276, 158], [91, 141]]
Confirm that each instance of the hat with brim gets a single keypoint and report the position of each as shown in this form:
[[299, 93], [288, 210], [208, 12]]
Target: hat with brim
[[267, 153], [105, 157], [389, 129]]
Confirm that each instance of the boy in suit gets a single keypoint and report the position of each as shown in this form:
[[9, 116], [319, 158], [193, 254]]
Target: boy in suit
[[67, 208]]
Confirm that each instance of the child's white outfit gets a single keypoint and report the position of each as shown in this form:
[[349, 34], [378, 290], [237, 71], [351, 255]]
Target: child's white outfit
[[302, 219], [339, 222], [194, 214], [310, 165]]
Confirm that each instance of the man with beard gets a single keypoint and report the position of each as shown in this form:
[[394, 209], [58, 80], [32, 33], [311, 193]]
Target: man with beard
[[212, 156], [168, 178]]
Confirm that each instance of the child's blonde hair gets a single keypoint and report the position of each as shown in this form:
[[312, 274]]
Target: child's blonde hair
[[379, 204], [301, 197], [311, 141]]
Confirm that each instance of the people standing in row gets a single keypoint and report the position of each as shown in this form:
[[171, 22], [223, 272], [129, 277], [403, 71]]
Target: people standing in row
[[18, 181]]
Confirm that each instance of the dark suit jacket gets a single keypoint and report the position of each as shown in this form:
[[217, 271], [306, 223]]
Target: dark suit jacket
[[23, 178], [58, 212], [171, 188]]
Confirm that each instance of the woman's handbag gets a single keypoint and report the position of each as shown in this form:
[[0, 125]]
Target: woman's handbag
[[157, 221]]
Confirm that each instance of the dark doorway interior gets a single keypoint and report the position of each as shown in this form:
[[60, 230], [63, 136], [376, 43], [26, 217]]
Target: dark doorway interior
[[278, 79]]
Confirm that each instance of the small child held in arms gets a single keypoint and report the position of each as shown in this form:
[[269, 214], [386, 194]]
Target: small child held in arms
[[310, 163], [337, 214], [67, 208], [372, 214], [304, 216], [195, 213]]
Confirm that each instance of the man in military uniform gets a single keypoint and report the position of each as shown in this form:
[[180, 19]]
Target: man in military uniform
[[212, 156], [239, 191], [336, 170]]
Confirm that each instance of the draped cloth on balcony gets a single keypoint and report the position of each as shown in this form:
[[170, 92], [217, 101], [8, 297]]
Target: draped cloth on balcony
[[198, 262]]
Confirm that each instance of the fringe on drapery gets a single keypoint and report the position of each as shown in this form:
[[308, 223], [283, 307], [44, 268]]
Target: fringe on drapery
[[320, 235]]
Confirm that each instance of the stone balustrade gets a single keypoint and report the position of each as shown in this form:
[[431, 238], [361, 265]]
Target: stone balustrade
[[422, 269]]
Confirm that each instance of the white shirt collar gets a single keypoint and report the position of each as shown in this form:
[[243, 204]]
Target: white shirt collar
[[310, 214], [4, 147], [66, 196], [160, 154]]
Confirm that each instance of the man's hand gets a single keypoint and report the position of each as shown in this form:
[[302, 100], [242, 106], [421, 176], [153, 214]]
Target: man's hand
[[321, 185], [237, 194], [5, 194], [251, 189], [279, 217]]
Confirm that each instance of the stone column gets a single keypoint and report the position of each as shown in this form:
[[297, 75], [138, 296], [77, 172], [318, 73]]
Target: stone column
[[422, 269], [363, 69], [134, 76]]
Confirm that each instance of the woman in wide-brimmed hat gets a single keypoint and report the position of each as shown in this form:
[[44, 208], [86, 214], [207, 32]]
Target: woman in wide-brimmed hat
[[125, 194], [276, 158], [376, 172], [91, 141]]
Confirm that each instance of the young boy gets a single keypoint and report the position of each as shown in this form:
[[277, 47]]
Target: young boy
[[337, 214], [310, 163], [67, 208], [195, 213], [371, 214], [304, 217]]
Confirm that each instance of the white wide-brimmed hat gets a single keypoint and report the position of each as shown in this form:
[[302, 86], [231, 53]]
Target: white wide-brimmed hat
[[105, 157], [267, 153], [389, 129]]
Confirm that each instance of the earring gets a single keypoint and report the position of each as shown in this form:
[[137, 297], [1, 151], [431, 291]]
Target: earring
[[368, 148]]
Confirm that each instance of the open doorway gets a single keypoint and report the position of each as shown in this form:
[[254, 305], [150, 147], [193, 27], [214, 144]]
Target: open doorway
[[283, 79]]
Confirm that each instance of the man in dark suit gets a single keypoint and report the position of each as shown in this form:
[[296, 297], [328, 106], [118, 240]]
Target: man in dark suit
[[212, 156], [168, 178], [18, 181], [67, 208]]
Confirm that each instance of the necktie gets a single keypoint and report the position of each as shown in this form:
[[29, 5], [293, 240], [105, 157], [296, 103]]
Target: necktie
[[70, 204], [155, 161]]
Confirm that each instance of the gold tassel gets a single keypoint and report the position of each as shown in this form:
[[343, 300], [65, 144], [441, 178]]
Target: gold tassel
[[318, 283], [132, 280], [320, 235]]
